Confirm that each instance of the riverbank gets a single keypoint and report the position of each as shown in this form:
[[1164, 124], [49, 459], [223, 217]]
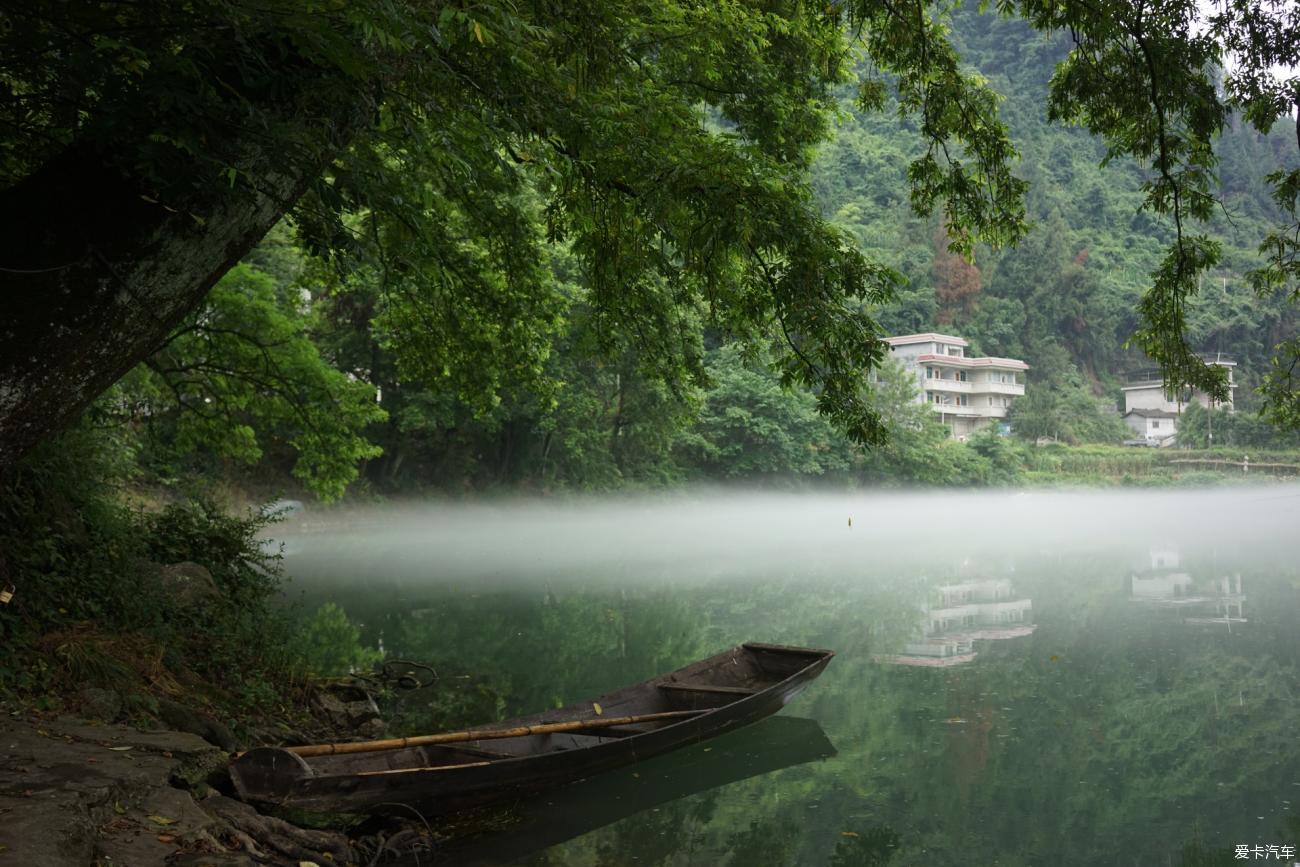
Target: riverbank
[[1105, 466], [75, 793], [165, 625]]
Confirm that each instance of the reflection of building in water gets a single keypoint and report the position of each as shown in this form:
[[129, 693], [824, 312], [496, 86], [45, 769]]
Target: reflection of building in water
[[934, 652], [1164, 584], [965, 613]]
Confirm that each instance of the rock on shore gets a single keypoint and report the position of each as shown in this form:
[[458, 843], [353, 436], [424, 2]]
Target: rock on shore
[[74, 793]]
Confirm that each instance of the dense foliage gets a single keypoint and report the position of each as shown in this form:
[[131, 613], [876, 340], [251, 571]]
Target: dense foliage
[[94, 607], [440, 157], [241, 377], [1066, 298], [297, 366], [431, 151]]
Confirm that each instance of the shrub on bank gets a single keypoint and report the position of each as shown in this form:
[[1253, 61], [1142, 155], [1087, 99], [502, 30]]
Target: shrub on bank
[[138, 603]]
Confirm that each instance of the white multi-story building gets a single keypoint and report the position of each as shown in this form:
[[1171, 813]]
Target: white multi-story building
[[1152, 411], [967, 392]]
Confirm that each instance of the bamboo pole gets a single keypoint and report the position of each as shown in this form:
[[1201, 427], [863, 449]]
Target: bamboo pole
[[419, 770], [486, 734]]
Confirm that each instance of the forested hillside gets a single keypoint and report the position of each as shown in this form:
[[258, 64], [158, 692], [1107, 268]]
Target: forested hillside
[[295, 368], [1065, 300]]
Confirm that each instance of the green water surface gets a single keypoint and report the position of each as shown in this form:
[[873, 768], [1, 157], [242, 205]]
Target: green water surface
[[1119, 682]]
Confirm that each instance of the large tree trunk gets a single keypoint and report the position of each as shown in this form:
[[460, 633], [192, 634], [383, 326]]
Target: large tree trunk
[[95, 276]]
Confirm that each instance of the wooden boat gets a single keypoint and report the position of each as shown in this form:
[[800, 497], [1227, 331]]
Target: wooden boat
[[705, 699]]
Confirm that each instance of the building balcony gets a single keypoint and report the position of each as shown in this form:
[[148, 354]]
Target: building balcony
[[1146, 377], [937, 384], [971, 411], [1011, 388], [954, 409]]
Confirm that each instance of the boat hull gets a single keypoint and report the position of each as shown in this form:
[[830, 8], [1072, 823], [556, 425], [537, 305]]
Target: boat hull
[[733, 689]]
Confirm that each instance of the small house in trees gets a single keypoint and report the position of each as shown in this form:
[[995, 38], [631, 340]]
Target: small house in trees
[[1152, 411], [968, 392]]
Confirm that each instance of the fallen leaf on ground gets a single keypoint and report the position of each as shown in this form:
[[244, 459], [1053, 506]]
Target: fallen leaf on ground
[[166, 838], [161, 820], [121, 749]]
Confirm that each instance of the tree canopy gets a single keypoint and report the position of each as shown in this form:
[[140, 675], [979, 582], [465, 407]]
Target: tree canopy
[[438, 158]]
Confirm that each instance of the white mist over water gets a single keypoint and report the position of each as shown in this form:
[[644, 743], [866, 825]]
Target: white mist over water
[[1149, 641], [712, 532]]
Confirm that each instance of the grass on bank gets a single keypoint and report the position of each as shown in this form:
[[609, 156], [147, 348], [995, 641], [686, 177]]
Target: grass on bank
[[91, 610], [1057, 464]]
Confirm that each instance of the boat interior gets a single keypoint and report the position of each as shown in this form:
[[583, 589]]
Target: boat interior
[[711, 683]]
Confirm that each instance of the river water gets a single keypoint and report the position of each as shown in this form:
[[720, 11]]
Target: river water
[[1021, 678]]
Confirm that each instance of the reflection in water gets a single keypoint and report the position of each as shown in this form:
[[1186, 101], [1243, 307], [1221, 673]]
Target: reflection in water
[[542, 821], [1132, 716], [1164, 584], [967, 612]]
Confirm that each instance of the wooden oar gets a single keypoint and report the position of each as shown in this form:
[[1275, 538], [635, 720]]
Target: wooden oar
[[487, 734]]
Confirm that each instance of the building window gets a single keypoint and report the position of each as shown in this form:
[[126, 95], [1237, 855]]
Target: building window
[[929, 373], [960, 376], [1155, 423]]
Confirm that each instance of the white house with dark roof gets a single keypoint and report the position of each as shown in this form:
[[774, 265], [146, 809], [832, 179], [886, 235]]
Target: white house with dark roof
[[1152, 411], [1153, 425], [968, 392]]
